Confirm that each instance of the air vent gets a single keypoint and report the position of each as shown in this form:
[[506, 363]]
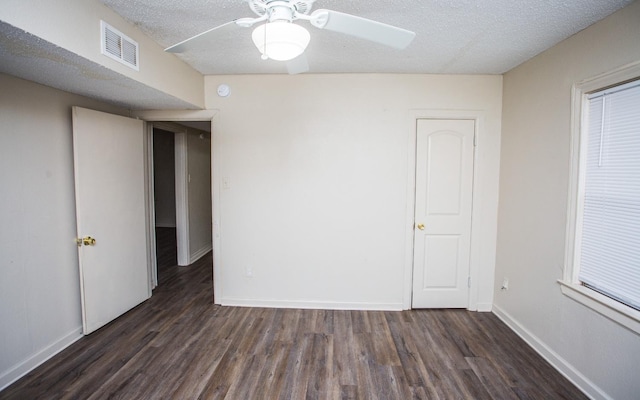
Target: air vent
[[118, 46]]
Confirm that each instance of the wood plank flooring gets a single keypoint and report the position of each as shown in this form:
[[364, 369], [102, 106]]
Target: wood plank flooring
[[178, 345], [166, 249]]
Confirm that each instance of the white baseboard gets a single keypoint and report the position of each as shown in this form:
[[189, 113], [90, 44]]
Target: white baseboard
[[200, 253], [313, 305], [485, 307], [26, 366], [559, 363]]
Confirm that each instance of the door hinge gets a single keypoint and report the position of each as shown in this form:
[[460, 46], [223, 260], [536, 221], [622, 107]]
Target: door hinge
[[474, 140], [469, 282]]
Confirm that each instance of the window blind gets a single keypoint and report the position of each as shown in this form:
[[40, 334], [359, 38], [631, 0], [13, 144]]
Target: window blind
[[610, 245]]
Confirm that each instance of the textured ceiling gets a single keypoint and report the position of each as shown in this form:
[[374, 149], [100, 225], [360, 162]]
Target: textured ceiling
[[29, 57], [453, 36]]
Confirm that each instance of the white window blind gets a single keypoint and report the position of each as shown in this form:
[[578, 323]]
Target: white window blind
[[610, 236]]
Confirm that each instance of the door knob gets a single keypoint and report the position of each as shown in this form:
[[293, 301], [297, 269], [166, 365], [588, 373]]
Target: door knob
[[420, 226], [87, 241]]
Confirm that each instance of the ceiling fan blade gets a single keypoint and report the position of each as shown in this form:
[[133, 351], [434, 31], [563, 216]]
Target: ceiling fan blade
[[363, 28], [199, 41], [298, 65]]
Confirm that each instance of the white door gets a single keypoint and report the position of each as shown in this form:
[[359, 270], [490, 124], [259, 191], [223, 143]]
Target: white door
[[442, 231], [110, 209]]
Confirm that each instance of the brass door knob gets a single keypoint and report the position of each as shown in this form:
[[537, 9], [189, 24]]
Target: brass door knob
[[420, 226], [88, 241]]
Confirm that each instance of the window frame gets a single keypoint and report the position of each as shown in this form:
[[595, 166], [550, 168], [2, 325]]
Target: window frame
[[569, 284]]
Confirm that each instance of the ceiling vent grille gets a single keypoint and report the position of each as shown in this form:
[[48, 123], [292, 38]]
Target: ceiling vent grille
[[118, 46]]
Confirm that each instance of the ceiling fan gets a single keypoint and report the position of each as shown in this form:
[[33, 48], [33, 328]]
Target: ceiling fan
[[279, 38]]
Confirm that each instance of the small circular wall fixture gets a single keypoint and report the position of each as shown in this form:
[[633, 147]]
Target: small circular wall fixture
[[224, 90]]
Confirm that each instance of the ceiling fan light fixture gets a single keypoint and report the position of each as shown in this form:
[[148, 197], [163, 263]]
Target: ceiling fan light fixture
[[281, 40]]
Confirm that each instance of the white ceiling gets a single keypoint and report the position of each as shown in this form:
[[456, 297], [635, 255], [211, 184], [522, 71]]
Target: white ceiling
[[452, 36]]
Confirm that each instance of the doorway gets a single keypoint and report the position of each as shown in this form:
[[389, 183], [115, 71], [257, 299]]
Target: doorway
[[164, 193], [206, 120], [181, 162]]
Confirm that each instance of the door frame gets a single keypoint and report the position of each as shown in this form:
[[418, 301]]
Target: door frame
[[181, 188], [476, 230], [154, 116], [151, 207]]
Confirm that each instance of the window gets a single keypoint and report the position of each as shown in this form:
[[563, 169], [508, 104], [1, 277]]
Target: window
[[603, 237], [609, 259]]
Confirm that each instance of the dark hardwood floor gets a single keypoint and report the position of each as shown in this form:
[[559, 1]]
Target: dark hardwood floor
[[166, 250], [178, 345]]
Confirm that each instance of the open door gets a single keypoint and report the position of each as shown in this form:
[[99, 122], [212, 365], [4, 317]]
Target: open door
[[110, 211]]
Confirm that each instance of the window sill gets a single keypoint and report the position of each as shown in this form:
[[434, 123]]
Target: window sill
[[615, 311]]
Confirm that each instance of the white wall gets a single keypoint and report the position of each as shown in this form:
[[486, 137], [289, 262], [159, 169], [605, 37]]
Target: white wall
[[600, 355], [312, 173], [39, 284], [164, 176], [75, 26], [199, 187]]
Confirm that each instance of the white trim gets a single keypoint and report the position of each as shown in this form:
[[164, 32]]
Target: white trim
[[612, 309], [76, 188], [198, 254], [182, 198], [29, 364], [216, 234], [560, 364], [201, 115], [476, 230], [152, 262], [311, 305], [485, 307], [626, 316], [410, 211], [175, 115]]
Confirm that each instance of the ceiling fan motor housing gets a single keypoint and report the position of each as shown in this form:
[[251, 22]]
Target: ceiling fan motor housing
[[280, 12]]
